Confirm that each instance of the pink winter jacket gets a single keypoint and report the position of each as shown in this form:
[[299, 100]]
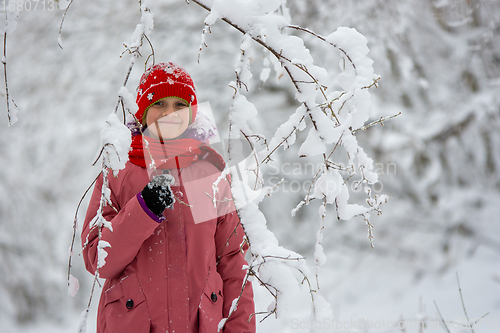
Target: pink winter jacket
[[179, 274]]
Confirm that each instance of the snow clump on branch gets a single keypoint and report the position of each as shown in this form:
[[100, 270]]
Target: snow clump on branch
[[115, 142]]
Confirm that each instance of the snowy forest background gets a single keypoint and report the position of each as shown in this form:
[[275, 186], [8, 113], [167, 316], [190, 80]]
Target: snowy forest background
[[439, 161]]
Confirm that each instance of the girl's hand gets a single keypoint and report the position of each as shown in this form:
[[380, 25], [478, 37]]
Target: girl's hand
[[157, 194]]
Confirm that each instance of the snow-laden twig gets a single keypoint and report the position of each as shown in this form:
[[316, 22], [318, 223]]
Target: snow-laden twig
[[98, 223], [142, 30], [370, 229], [234, 305], [82, 325], [115, 144]]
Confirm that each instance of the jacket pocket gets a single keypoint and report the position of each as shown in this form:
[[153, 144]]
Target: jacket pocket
[[211, 305], [125, 309]]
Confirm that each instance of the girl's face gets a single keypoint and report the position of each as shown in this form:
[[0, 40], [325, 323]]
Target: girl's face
[[168, 118]]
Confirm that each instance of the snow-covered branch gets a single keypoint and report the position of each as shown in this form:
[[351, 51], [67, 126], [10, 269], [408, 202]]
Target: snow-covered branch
[[115, 143], [334, 121]]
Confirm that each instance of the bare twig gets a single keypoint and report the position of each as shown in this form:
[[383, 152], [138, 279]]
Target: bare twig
[[481, 318], [75, 223], [258, 313], [441, 316], [311, 292], [102, 150], [83, 325], [152, 53], [283, 258], [123, 111], [257, 176], [59, 39], [235, 233], [4, 62], [379, 121], [463, 304]]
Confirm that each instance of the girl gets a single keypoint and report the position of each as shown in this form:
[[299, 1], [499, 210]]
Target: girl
[[174, 263]]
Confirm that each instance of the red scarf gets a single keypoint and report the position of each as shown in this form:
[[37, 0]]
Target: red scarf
[[172, 154]]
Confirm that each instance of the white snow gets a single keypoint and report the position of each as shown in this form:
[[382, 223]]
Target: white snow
[[73, 287], [313, 145], [243, 111], [128, 100], [115, 142], [221, 324], [101, 253], [82, 328]]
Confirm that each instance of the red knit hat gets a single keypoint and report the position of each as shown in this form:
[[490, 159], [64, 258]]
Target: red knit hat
[[165, 80]]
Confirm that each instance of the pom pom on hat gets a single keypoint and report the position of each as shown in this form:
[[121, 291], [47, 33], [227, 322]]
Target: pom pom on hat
[[165, 80]]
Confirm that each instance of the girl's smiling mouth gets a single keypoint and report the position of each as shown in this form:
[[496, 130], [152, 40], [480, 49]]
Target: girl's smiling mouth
[[170, 122]]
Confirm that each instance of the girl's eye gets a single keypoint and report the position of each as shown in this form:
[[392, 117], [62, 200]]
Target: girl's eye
[[182, 105]]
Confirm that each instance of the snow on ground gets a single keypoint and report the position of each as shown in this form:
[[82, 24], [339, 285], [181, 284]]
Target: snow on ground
[[378, 293]]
